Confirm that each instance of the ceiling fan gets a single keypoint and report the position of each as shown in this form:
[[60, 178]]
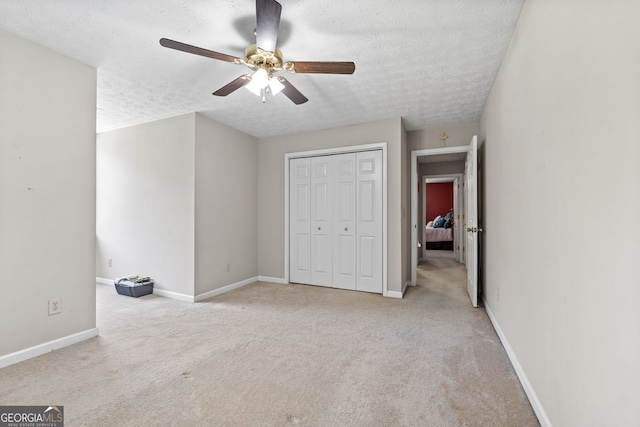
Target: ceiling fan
[[265, 59]]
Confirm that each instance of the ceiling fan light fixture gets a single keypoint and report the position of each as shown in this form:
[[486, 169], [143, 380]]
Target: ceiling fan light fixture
[[259, 81], [275, 86]]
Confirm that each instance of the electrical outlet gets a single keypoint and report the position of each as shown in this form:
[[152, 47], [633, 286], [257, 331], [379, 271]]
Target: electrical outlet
[[55, 306], [498, 293], [110, 262], [228, 268]]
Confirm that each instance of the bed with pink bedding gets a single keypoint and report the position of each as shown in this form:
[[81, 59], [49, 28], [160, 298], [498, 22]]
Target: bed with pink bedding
[[438, 238]]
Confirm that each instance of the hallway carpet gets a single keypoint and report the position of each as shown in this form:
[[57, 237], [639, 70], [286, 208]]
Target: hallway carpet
[[278, 355]]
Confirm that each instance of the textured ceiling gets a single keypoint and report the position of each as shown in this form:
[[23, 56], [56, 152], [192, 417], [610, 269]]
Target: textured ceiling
[[431, 62]]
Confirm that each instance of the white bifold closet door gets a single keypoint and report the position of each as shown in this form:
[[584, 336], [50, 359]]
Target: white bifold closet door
[[321, 225], [344, 219], [335, 234], [369, 221], [300, 220]]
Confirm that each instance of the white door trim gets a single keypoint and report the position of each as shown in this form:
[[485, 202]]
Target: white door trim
[[339, 150], [414, 197]]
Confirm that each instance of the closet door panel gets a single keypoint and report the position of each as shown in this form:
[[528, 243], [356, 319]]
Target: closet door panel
[[302, 254], [369, 221], [367, 257], [344, 249], [299, 220], [321, 225]]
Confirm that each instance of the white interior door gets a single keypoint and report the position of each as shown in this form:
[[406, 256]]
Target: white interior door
[[321, 221], [471, 178], [422, 229], [344, 224], [369, 225], [300, 220]]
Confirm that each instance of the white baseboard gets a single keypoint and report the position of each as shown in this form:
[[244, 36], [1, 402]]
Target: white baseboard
[[188, 298], [277, 280], [528, 389], [225, 289], [394, 294], [173, 295], [40, 349], [156, 291]]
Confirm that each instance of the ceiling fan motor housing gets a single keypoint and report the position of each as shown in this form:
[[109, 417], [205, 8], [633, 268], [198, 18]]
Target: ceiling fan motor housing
[[256, 57]]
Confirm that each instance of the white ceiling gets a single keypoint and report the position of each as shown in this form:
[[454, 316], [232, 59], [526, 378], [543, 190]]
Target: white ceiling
[[431, 62]]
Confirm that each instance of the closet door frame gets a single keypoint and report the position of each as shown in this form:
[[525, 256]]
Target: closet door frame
[[340, 150]]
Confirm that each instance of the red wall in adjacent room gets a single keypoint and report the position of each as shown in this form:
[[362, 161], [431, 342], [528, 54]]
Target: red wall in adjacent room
[[439, 199]]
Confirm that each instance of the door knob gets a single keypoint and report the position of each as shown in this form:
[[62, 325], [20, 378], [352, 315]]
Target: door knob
[[346, 229]]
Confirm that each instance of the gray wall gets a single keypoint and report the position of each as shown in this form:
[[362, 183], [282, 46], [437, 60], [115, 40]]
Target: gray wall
[[145, 203], [441, 168], [226, 205], [47, 194], [225, 190], [429, 138], [562, 236], [177, 201], [271, 152]]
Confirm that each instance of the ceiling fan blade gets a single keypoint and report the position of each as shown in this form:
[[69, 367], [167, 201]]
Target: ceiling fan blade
[[172, 44], [291, 92], [267, 24], [320, 67], [233, 86]]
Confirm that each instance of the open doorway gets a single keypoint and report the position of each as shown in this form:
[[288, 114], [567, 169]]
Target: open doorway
[[445, 163], [439, 264], [439, 212], [440, 158]]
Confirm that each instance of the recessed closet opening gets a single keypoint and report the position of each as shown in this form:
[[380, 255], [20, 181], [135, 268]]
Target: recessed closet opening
[[336, 218]]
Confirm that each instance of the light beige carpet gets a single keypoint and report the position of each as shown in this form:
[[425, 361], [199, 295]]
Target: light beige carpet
[[278, 355]]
